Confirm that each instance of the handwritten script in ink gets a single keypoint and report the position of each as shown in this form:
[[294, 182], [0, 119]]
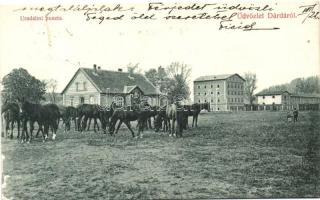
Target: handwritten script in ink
[[245, 17]]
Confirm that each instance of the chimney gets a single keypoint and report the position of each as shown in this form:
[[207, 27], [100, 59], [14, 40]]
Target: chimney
[[119, 70], [95, 67], [99, 68]]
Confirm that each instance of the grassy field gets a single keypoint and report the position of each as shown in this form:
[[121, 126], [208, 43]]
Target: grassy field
[[238, 155]]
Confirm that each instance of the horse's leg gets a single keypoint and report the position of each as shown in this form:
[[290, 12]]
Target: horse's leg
[[54, 128], [129, 127], [75, 123], [7, 128], [193, 119], [173, 127], [197, 120], [89, 124], [31, 129], [12, 126], [149, 121], [84, 123], [169, 127], [45, 132], [120, 122], [18, 121]]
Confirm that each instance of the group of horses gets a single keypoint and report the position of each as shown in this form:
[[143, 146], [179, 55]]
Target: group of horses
[[172, 118]]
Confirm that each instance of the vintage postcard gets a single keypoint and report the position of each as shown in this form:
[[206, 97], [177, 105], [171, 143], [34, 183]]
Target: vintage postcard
[[160, 100]]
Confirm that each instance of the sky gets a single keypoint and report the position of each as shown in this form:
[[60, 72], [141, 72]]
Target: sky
[[56, 49]]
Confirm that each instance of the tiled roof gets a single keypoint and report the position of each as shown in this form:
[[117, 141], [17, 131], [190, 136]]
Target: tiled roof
[[215, 77], [266, 93], [118, 82]]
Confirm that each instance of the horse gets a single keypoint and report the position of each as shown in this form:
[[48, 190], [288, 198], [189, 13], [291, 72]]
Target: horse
[[11, 115], [126, 116], [45, 115], [87, 112], [159, 118], [174, 114], [194, 111], [68, 114]]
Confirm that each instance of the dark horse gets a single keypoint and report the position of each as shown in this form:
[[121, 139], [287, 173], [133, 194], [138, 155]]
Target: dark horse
[[126, 116], [161, 120], [11, 114], [87, 112], [194, 111], [68, 114], [45, 115]]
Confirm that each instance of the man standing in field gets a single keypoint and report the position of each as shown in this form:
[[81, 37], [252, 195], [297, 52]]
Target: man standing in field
[[295, 115]]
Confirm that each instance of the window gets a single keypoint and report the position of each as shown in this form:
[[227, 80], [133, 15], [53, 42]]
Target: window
[[199, 101], [211, 92], [218, 86], [273, 96], [218, 108], [199, 93], [91, 100], [218, 100], [82, 100], [198, 86], [231, 99], [205, 101], [84, 84], [218, 93], [205, 87], [71, 101], [205, 93], [211, 100], [263, 97], [77, 86], [118, 100], [211, 86]]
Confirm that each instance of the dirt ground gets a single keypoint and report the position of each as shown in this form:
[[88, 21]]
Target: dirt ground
[[230, 155]]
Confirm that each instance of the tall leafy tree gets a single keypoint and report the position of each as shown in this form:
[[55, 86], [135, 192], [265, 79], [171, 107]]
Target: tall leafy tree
[[250, 86], [19, 85], [179, 74], [159, 77]]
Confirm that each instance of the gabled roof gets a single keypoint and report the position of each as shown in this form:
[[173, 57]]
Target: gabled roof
[[128, 89], [267, 93], [115, 81], [216, 77]]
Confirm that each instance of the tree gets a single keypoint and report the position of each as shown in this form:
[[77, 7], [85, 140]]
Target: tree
[[250, 86], [51, 86], [180, 77], [19, 85], [309, 85], [159, 77]]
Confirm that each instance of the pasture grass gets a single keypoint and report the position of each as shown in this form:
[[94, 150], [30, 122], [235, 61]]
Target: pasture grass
[[230, 155]]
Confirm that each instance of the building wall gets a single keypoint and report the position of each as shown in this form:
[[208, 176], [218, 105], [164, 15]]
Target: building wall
[[219, 93], [80, 88], [235, 93], [269, 100]]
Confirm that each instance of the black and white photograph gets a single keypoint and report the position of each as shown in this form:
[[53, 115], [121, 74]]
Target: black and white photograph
[[160, 99]]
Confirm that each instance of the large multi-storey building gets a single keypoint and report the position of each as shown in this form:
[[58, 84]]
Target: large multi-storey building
[[223, 92]]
